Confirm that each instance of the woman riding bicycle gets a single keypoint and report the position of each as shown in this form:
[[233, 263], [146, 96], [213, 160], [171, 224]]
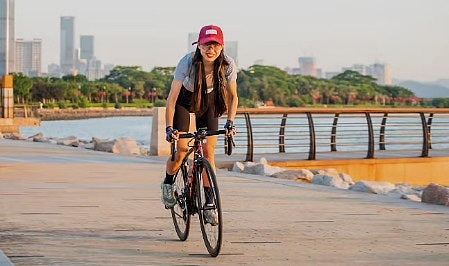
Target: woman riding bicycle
[[205, 83]]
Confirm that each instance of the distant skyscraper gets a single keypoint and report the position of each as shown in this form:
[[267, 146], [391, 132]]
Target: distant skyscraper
[[361, 69], [29, 57], [231, 49], [94, 70], [193, 37], [307, 66], [7, 37], [67, 45], [382, 73], [87, 47]]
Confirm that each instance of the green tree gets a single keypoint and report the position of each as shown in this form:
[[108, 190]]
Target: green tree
[[22, 87]]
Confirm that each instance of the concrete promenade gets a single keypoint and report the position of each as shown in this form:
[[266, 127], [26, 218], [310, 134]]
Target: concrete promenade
[[68, 206]]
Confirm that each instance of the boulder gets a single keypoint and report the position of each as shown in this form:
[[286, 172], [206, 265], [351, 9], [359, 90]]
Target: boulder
[[346, 178], [52, 141], [411, 197], [14, 136], [332, 181], [436, 194], [120, 146], [249, 164], [262, 169], [263, 160], [126, 146], [373, 187], [1, 135], [327, 172], [39, 137], [144, 152], [103, 144], [302, 174], [403, 190], [238, 167], [89, 146], [69, 141]]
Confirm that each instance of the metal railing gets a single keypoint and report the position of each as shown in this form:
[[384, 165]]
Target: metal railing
[[315, 131]]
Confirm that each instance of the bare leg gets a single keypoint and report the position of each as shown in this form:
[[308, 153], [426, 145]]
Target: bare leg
[[182, 149], [209, 154]]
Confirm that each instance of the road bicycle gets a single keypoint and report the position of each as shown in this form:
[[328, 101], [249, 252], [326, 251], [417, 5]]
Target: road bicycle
[[190, 195]]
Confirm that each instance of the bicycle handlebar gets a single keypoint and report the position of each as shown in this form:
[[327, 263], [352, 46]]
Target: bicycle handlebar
[[230, 140], [206, 133]]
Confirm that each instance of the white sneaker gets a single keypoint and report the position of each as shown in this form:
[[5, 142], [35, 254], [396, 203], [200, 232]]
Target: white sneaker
[[167, 195], [211, 216]]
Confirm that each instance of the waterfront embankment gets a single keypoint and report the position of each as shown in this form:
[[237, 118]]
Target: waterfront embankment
[[85, 113]]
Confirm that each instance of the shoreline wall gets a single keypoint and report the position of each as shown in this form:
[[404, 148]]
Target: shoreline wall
[[75, 114]]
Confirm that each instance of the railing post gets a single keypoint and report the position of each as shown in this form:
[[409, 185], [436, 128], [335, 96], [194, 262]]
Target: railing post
[[369, 122], [382, 132], [312, 146], [250, 140], [425, 134], [282, 134], [334, 133], [429, 128]]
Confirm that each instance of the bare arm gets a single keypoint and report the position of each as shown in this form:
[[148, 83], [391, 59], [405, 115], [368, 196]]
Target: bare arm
[[233, 100], [171, 102]]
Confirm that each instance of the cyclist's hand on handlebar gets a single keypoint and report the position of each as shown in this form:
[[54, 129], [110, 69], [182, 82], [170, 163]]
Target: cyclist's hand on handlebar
[[171, 134], [230, 128]]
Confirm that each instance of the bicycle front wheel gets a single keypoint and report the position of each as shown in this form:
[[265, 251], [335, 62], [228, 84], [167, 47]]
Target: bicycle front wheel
[[180, 212], [211, 227]]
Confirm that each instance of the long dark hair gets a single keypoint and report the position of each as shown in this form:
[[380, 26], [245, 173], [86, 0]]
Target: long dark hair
[[199, 99]]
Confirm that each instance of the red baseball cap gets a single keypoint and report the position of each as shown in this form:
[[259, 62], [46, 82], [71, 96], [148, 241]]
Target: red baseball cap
[[210, 33]]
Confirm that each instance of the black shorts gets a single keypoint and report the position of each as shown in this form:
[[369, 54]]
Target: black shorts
[[205, 119]]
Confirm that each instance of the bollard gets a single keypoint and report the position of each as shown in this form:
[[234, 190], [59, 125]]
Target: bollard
[[159, 146], [6, 97]]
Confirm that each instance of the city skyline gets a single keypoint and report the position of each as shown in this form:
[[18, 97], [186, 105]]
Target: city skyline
[[409, 35]]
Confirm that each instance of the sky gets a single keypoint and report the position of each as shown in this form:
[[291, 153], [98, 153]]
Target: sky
[[411, 35]]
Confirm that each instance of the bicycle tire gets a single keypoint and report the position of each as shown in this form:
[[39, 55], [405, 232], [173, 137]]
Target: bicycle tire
[[213, 245], [180, 212]]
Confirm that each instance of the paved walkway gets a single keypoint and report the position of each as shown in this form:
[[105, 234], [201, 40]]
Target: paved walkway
[[64, 206]]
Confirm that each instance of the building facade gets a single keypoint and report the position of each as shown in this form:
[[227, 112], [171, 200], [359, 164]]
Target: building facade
[[232, 49], [193, 37], [307, 66], [382, 73], [87, 47], [67, 45], [29, 57], [7, 37]]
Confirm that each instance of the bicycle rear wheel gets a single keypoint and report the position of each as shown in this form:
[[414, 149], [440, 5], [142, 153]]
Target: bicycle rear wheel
[[180, 212], [212, 234]]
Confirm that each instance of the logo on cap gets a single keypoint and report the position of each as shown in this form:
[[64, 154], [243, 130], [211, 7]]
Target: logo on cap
[[212, 31]]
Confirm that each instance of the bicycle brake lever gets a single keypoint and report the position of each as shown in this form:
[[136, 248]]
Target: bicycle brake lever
[[173, 150]]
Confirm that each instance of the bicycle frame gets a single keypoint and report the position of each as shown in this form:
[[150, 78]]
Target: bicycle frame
[[197, 150], [193, 177]]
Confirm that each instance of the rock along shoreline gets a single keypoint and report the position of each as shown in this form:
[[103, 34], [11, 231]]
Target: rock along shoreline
[[86, 113], [432, 194]]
